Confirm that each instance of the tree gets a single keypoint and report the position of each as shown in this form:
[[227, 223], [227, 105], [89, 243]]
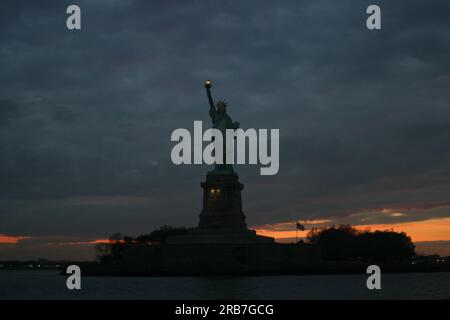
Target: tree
[[110, 251], [103, 251], [345, 242], [386, 245], [313, 235], [160, 235], [128, 239], [115, 237]]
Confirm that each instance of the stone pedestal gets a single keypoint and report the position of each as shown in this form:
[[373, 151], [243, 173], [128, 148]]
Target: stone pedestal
[[222, 204], [222, 220]]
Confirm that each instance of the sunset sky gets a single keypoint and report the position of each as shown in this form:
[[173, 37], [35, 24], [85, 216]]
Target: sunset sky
[[86, 117]]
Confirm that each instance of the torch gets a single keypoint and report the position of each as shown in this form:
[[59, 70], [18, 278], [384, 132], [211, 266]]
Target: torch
[[208, 85]]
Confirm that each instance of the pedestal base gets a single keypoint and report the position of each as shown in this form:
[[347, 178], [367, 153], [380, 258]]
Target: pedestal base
[[221, 220], [222, 204], [212, 236]]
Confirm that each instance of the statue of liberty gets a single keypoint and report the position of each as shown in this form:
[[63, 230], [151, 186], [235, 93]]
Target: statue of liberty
[[221, 121]]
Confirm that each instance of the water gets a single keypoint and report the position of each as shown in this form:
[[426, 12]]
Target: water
[[46, 284]]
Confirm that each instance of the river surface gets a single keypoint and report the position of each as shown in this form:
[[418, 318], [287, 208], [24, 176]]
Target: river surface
[[47, 284]]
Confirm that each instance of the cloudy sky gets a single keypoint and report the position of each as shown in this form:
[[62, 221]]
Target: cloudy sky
[[86, 116]]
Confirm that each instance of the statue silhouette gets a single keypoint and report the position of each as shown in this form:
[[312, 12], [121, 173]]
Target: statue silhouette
[[221, 121]]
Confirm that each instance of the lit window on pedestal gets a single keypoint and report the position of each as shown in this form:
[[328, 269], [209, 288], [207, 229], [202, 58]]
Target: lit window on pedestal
[[215, 192]]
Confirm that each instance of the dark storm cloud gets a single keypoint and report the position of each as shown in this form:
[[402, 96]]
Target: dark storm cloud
[[87, 115], [8, 111]]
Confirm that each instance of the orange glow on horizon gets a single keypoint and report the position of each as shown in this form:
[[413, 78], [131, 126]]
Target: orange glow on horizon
[[4, 239], [427, 230], [96, 241]]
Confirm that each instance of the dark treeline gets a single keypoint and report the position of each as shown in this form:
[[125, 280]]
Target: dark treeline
[[111, 251], [160, 235], [347, 243], [336, 243]]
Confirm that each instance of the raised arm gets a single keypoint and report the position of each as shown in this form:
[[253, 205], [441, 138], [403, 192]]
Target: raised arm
[[212, 107], [208, 92]]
